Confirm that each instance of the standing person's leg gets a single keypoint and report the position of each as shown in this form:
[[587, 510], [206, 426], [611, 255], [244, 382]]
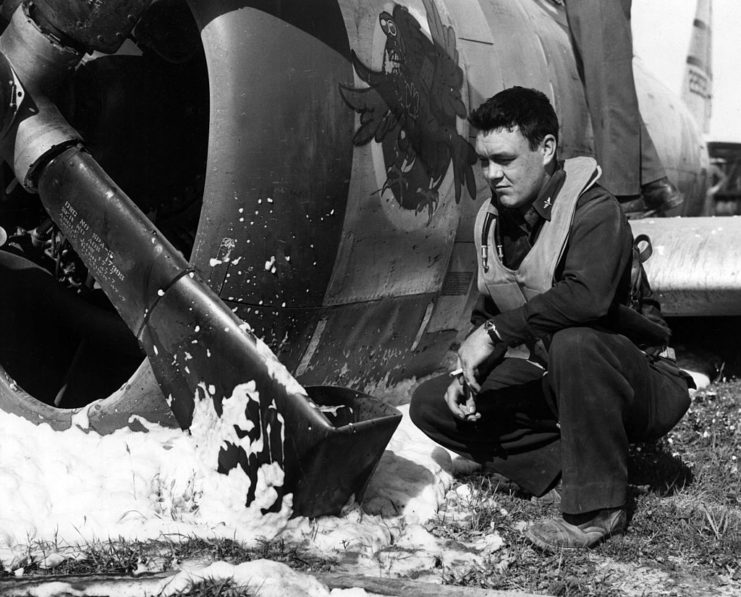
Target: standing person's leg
[[632, 169], [517, 435], [652, 168], [602, 39], [608, 394]]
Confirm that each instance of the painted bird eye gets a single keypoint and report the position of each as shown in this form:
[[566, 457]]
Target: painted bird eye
[[388, 26]]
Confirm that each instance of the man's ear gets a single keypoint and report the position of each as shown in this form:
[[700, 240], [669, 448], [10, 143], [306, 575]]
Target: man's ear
[[548, 146]]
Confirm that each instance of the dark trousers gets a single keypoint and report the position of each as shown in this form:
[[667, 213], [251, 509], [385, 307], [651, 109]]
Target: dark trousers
[[603, 44], [599, 394]]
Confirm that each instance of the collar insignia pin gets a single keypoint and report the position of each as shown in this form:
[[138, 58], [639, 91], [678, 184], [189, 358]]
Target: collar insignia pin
[[547, 203]]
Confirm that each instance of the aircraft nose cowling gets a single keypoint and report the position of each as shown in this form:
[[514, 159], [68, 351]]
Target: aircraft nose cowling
[[245, 411]]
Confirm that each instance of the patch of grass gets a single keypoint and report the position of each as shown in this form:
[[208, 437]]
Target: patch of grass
[[120, 557], [684, 534], [100, 557], [216, 588]]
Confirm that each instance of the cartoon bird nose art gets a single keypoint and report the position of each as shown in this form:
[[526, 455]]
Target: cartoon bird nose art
[[410, 106]]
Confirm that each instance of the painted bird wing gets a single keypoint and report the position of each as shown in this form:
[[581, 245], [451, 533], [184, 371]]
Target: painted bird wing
[[442, 36], [448, 103], [376, 118], [448, 76]]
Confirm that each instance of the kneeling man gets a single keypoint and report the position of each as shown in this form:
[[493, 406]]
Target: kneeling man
[[565, 365]]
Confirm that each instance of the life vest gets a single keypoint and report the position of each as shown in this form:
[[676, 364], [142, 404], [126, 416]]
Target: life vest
[[510, 289]]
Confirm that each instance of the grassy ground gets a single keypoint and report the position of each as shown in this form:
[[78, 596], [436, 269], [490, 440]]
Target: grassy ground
[[684, 535], [141, 558]]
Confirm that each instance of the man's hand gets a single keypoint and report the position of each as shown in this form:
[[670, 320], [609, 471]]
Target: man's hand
[[460, 401], [475, 351]]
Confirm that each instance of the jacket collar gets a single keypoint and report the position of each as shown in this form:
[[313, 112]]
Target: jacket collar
[[543, 203]]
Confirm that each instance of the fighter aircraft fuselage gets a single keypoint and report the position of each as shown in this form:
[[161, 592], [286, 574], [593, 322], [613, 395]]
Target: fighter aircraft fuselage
[[314, 162], [342, 187]]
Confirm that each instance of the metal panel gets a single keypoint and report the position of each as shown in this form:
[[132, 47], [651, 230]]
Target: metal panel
[[359, 344], [696, 264], [460, 282], [279, 151], [517, 51]]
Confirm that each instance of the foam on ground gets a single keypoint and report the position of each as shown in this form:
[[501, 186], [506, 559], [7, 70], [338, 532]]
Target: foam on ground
[[76, 487]]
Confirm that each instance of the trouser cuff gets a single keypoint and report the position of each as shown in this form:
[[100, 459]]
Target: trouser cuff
[[587, 497]]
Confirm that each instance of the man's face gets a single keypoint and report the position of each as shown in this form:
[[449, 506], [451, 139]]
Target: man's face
[[514, 172]]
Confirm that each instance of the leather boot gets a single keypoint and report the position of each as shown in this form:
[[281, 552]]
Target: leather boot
[[583, 530], [661, 196]]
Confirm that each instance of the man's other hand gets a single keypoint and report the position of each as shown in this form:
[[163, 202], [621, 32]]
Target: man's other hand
[[460, 401], [475, 351]]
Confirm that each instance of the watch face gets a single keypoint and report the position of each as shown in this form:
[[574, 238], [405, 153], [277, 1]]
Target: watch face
[[491, 329]]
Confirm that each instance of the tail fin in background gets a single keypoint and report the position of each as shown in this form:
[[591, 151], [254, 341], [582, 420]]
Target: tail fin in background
[[697, 89]]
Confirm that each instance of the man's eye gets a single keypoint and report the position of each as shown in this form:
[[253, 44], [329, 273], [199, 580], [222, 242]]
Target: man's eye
[[484, 163]]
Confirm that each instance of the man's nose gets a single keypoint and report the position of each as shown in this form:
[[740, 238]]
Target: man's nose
[[493, 172]]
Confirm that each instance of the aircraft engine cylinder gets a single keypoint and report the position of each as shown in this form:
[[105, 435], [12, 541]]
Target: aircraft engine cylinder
[[101, 26], [40, 62], [39, 65]]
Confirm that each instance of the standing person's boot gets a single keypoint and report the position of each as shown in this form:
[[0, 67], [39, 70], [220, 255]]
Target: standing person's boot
[[661, 196]]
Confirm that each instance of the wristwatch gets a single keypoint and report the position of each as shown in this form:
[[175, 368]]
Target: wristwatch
[[491, 329]]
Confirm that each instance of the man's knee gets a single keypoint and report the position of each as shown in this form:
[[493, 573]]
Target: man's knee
[[583, 357], [416, 409], [574, 343], [419, 410], [428, 407]]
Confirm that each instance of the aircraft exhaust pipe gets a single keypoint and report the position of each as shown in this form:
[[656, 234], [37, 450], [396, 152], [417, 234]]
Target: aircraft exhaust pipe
[[216, 376]]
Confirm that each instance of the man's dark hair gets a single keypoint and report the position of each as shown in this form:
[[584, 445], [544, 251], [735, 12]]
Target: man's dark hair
[[528, 109]]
